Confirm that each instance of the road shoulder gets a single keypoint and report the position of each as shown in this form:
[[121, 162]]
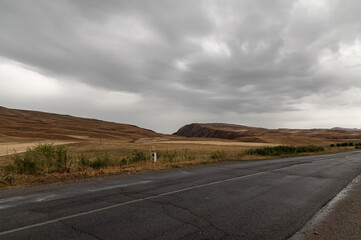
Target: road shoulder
[[339, 219]]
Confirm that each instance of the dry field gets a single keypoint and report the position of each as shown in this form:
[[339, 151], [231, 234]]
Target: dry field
[[197, 147], [102, 148], [9, 148], [220, 143], [124, 157]]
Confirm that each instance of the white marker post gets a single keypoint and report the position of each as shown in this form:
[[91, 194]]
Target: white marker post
[[154, 156]]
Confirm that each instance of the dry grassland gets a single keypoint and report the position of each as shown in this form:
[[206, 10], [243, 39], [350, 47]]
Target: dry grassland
[[9, 148], [220, 143], [171, 154]]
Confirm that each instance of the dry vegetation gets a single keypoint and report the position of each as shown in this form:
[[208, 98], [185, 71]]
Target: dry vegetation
[[32, 146], [9, 148], [48, 163]]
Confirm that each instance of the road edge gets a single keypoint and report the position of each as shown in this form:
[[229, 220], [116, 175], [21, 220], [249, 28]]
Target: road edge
[[321, 217]]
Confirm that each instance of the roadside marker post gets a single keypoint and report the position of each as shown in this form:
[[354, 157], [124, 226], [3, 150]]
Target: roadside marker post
[[154, 156]]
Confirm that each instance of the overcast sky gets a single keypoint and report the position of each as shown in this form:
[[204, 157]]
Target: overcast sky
[[163, 64]]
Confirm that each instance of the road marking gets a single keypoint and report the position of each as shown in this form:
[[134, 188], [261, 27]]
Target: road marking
[[5, 206], [16, 201], [46, 198], [126, 203], [140, 200], [118, 186]]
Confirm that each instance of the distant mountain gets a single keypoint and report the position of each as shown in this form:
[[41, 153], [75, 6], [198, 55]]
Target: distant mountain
[[255, 134], [42, 125], [346, 129], [217, 130]]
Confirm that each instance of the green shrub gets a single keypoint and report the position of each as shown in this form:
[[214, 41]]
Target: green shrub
[[169, 156], [332, 145], [123, 161], [84, 162], [283, 150], [137, 156], [101, 161], [63, 158], [219, 155], [186, 154], [24, 165], [42, 157]]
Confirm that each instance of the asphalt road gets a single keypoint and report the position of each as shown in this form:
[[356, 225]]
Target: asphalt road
[[270, 199]]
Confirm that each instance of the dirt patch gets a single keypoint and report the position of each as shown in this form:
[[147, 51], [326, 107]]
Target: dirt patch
[[151, 140], [78, 137], [8, 148]]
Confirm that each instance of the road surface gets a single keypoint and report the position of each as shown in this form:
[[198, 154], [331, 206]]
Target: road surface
[[269, 199]]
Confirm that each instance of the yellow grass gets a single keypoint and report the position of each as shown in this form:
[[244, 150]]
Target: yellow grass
[[200, 152], [8, 148], [221, 143]]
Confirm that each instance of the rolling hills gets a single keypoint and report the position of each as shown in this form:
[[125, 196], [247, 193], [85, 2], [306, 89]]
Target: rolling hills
[[41, 125], [281, 136], [34, 125]]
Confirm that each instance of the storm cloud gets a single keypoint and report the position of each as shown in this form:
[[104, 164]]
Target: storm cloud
[[163, 64]]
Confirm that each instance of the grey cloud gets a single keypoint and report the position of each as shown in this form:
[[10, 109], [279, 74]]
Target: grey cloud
[[226, 47]]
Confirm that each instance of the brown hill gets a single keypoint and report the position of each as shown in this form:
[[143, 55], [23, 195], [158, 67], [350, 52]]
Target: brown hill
[[281, 136], [41, 125]]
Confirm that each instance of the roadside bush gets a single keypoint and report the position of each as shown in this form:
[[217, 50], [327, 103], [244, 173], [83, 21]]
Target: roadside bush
[[176, 155], [137, 156], [123, 161], [185, 154], [24, 165], [42, 157], [332, 145], [169, 156], [62, 160], [219, 155], [101, 161], [283, 150], [347, 144], [84, 162]]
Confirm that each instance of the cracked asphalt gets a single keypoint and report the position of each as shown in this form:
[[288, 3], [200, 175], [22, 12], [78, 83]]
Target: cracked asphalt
[[268, 199]]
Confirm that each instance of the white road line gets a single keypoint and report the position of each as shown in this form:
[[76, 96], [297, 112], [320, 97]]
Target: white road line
[[16, 201], [125, 203], [117, 186], [139, 200]]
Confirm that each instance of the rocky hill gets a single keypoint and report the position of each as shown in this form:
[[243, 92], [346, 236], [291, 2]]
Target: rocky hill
[[282, 136]]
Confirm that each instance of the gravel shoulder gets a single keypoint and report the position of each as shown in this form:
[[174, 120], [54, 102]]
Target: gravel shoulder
[[339, 219]]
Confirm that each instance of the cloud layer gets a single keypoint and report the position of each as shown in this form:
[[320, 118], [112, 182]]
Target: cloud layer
[[162, 64]]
